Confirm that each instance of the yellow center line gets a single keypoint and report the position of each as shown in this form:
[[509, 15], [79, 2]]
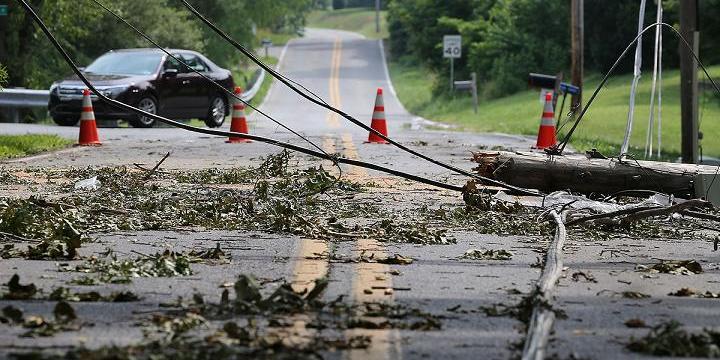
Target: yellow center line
[[350, 151], [311, 265], [334, 84], [372, 282]]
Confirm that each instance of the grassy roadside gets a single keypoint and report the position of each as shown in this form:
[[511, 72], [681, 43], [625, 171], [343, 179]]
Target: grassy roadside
[[245, 76], [603, 126], [278, 39], [359, 20], [29, 144]]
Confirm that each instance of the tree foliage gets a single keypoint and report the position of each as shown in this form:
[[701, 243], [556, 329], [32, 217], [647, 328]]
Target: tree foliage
[[87, 31], [3, 76], [504, 40]]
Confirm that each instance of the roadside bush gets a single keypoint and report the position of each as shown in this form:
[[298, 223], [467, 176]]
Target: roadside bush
[[339, 4], [3, 76], [504, 40]]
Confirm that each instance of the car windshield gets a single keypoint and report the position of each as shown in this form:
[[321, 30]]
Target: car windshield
[[125, 63]]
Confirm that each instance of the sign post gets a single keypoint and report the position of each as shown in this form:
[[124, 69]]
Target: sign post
[[452, 49], [266, 43]]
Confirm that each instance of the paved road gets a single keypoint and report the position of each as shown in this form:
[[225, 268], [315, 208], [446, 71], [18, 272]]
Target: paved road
[[346, 70]]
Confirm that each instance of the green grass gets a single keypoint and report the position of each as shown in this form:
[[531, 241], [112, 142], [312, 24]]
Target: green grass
[[602, 127], [359, 20], [29, 144], [277, 39]]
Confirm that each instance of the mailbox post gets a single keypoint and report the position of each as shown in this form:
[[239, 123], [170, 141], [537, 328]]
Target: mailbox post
[[469, 85]]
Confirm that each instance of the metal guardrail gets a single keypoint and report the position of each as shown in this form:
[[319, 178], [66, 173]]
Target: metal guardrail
[[14, 99], [24, 98], [250, 94]]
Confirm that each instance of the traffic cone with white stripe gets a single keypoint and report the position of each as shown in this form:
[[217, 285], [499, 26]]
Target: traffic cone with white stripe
[[378, 120], [546, 134], [88, 128], [239, 122]]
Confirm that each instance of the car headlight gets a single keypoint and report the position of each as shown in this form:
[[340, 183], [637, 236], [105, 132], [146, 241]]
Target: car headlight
[[113, 92]]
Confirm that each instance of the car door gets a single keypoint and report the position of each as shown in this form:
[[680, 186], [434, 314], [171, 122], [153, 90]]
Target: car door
[[171, 88], [195, 87]]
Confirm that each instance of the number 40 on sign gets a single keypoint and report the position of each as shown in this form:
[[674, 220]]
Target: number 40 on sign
[[452, 46]]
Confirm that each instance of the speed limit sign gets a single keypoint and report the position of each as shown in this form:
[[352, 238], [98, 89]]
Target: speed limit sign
[[452, 46]]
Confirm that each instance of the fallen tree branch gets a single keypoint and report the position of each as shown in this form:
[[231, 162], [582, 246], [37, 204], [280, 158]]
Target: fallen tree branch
[[152, 171], [606, 215], [665, 210], [700, 215], [18, 237], [639, 213]]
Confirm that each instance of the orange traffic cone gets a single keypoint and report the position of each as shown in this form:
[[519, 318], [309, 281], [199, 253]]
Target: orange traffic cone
[[546, 134], [88, 128], [378, 120], [239, 122]]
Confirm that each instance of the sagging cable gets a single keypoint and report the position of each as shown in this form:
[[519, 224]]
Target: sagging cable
[[219, 86], [325, 105], [559, 148], [258, 138]]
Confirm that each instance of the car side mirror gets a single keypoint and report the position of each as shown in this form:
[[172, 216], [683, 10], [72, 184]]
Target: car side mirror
[[81, 68], [169, 73]]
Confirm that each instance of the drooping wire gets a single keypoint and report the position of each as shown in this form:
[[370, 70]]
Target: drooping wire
[[230, 93], [274, 142], [558, 149], [215, 83], [325, 105]]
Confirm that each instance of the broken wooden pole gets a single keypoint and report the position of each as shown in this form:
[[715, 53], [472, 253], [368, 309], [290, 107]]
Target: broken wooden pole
[[581, 174]]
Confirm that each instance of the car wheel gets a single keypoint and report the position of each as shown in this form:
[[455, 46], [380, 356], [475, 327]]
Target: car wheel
[[147, 104], [216, 112], [65, 121]]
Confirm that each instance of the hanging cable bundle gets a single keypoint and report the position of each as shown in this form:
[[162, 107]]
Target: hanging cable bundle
[[559, 148], [657, 76], [636, 78]]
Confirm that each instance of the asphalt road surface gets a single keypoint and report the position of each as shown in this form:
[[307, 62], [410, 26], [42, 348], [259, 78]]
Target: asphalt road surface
[[346, 70]]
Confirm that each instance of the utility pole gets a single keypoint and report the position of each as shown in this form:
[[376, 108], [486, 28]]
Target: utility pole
[[377, 16], [689, 81], [577, 38]]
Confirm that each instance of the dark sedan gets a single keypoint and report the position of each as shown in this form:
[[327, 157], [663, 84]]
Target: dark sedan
[[149, 80]]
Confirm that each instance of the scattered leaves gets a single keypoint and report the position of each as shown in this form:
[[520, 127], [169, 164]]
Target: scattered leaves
[[476, 254], [676, 267], [18, 291], [669, 339], [688, 292], [66, 294], [635, 323], [395, 259]]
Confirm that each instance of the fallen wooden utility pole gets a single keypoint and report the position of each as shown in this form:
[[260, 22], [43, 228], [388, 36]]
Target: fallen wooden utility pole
[[581, 174]]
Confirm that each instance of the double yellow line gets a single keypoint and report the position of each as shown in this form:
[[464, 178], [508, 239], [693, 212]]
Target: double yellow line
[[334, 84], [372, 282]]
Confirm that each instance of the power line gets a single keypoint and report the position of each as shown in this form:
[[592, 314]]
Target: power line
[[558, 149], [325, 105], [258, 138]]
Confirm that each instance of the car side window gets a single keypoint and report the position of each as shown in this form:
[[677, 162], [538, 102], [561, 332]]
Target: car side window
[[194, 62], [171, 63]]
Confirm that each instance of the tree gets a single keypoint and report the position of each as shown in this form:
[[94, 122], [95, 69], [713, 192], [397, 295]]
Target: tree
[[339, 4], [86, 32], [3, 76]]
